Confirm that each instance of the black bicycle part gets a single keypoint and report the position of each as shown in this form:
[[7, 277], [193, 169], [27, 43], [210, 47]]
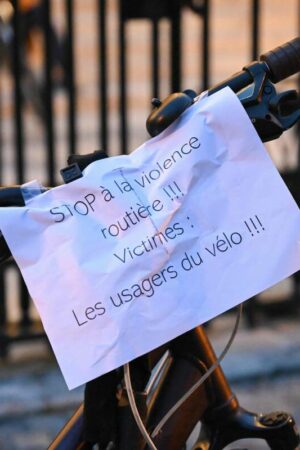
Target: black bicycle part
[[77, 163], [277, 64], [166, 112], [270, 113], [283, 61], [278, 429], [184, 373]]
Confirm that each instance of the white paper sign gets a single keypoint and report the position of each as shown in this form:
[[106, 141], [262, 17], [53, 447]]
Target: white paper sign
[[145, 247]]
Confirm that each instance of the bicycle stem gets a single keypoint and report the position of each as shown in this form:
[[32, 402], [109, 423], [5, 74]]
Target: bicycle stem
[[198, 340]]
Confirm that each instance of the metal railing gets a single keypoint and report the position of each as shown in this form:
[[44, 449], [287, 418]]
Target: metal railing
[[154, 12]]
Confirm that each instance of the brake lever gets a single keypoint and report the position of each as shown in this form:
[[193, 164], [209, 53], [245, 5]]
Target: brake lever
[[267, 113], [265, 107], [283, 102]]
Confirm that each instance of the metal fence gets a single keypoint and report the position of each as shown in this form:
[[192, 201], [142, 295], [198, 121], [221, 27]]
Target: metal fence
[[53, 92]]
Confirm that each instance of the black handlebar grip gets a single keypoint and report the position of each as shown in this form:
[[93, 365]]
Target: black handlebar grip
[[283, 61]]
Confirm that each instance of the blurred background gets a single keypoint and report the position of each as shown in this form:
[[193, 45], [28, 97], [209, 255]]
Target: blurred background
[[79, 75]]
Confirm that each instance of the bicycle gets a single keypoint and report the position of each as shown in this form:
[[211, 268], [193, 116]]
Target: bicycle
[[177, 366]]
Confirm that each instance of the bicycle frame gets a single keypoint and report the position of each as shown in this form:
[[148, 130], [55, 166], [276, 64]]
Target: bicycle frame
[[213, 404]]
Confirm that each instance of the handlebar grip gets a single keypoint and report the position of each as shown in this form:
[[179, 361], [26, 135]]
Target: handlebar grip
[[11, 196], [283, 61]]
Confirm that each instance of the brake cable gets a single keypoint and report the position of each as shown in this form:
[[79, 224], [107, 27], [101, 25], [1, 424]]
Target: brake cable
[[178, 404]]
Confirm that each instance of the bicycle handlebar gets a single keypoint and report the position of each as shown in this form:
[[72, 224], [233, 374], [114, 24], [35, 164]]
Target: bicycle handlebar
[[283, 61], [278, 64], [11, 196], [275, 65]]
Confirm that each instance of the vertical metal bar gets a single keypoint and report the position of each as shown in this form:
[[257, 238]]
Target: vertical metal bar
[[298, 125], [3, 316], [155, 58], [3, 312], [17, 74], [255, 29], [70, 76], [175, 47], [122, 80], [1, 135], [49, 129], [24, 302], [205, 46], [251, 307], [103, 135], [3, 308]]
